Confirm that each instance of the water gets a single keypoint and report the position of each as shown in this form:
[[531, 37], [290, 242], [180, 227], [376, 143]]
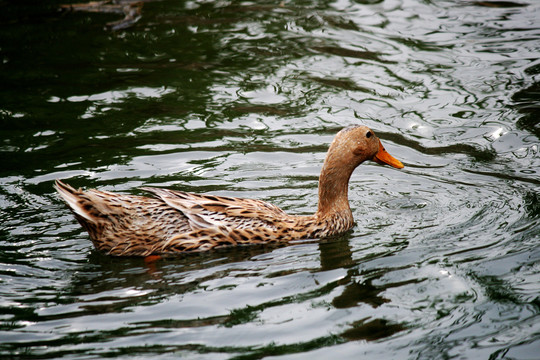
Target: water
[[242, 99]]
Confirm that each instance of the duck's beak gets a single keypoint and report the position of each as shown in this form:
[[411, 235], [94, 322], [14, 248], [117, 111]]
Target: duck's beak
[[383, 157]]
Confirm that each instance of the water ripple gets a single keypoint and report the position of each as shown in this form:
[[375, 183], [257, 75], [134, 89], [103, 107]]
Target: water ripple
[[243, 100]]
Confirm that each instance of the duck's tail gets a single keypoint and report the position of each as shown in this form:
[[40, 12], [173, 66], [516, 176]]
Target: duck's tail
[[122, 224], [73, 199]]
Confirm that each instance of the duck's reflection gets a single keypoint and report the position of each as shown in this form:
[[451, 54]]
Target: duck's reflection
[[337, 254]]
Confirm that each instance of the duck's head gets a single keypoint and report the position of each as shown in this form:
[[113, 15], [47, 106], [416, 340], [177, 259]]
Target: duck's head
[[351, 147], [356, 144]]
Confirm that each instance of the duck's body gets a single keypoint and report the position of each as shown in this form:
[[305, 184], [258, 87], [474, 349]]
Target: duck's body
[[176, 221]]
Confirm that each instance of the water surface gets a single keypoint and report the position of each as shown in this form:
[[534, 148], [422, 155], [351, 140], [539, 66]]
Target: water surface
[[242, 99]]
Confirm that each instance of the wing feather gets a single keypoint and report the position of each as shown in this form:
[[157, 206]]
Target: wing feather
[[203, 211]]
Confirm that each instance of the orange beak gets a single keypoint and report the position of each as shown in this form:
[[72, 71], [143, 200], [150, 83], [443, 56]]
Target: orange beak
[[383, 157]]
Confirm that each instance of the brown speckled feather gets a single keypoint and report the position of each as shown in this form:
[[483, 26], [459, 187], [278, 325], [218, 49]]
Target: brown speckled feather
[[205, 211], [176, 221]]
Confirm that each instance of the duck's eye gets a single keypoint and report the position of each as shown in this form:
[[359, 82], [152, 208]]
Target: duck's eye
[[368, 134]]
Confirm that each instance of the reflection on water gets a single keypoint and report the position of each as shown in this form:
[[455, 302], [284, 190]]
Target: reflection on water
[[243, 99]]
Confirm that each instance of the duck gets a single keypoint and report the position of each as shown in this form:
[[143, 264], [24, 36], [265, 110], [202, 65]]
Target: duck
[[171, 221]]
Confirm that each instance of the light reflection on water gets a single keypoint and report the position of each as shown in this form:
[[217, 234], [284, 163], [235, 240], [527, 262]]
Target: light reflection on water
[[243, 100]]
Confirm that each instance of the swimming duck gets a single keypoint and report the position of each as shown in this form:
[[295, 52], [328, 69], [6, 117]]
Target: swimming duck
[[175, 221]]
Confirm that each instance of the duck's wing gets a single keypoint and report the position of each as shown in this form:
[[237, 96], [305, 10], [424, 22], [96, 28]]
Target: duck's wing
[[123, 224], [204, 211]]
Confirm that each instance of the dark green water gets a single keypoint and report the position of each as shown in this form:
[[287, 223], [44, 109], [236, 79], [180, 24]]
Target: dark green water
[[242, 99]]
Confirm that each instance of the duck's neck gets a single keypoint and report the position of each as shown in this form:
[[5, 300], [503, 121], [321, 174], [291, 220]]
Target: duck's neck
[[333, 189]]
